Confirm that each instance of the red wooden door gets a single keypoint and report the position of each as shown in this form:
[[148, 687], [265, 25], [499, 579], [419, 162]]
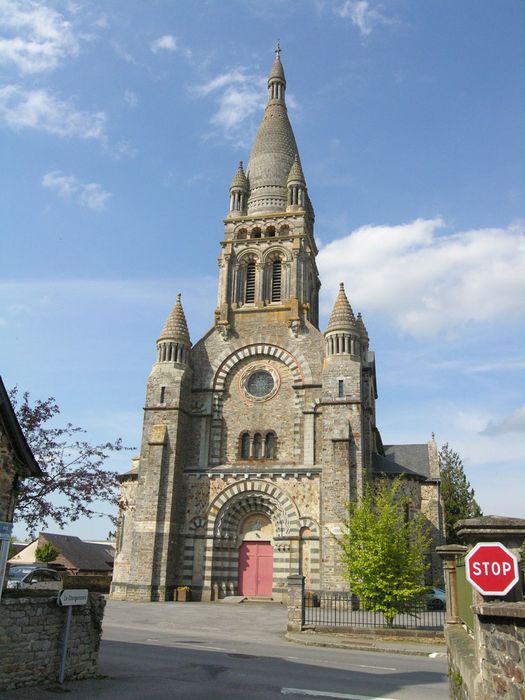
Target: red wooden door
[[255, 568]]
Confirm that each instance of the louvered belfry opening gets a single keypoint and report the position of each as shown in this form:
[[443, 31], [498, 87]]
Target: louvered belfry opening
[[276, 280], [249, 296]]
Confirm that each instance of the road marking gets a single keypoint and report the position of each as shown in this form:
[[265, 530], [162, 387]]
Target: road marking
[[324, 694], [379, 668]]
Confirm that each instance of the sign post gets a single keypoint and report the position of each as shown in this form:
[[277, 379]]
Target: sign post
[[492, 568], [69, 598], [5, 534]]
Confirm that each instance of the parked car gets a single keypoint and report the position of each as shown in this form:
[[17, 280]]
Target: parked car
[[32, 578], [435, 599]]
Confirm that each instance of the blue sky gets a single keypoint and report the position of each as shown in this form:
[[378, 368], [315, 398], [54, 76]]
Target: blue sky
[[121, 125]]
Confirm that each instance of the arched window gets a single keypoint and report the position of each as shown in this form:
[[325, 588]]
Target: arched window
[[276, 280], [269, 450], [257, 446], [245, 445], [249, 292]]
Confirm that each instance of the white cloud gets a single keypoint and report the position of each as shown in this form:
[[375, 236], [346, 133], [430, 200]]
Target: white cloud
[[130, 98], [90, 194], [93, 196], [425, 281], [513, 423], [39, 109], [363, 15], [240, 96], [164, 43], [34, 38]]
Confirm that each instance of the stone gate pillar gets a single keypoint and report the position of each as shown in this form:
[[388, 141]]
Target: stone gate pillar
[[295, 602]]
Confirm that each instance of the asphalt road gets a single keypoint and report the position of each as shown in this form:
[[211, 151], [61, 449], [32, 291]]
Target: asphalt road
[[217, 651]]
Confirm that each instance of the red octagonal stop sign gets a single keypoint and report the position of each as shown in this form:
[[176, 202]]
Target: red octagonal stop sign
[[491, 568]]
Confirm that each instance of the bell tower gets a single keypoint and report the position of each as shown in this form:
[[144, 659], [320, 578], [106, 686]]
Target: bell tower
[[268, 274]]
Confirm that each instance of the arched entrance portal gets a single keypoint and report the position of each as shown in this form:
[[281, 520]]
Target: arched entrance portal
[[256, 556]]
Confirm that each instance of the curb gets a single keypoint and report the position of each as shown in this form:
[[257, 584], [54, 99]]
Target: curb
[[351, 644]]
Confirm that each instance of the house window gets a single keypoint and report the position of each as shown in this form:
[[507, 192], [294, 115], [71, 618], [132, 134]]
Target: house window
[[341, 389], [249, 295], [276, 280]]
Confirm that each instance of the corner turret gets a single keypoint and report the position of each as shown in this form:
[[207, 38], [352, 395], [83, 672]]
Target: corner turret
[[174, 343], [342, 334], [238, 193], [296, 185]]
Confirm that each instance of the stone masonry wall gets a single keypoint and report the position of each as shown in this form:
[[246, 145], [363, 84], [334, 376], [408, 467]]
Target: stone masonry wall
[[502, 644], [31, 632]]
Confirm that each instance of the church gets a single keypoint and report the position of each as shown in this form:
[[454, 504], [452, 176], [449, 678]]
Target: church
[[256, 437]]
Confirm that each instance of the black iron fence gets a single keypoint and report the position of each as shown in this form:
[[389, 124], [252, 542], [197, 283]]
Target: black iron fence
[[335, 609]]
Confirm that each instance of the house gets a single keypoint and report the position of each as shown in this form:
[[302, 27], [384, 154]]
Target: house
[[16, 462], [76, 557]]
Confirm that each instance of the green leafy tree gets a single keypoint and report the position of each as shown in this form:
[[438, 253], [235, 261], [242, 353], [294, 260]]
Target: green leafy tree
[[12, 549], [384, 550], [46, 552], [457, 493]]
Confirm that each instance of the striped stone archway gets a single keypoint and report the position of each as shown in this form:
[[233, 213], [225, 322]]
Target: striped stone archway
[[298, 365], [222, 544]]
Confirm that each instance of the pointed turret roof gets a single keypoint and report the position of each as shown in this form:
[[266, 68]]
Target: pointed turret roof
[[296, 171], [361, 326], [342, 317], [277, 70], [176, 327], [273, 151], [239, 179]]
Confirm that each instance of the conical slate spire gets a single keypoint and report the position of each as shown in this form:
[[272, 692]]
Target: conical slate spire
[[239, 179], [273, 151], [342, 317], [176, 327], [296, 172]]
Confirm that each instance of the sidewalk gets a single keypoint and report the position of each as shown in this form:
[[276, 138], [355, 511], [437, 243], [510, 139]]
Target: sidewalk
[[416, 646]]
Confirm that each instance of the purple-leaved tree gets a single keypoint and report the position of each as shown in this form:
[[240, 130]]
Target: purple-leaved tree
[[75, 476]]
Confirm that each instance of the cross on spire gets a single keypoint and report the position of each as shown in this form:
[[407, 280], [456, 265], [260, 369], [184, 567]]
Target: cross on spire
[[278, 51]]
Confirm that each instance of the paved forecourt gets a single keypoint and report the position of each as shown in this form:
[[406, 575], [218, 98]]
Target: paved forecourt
[[198, 651]]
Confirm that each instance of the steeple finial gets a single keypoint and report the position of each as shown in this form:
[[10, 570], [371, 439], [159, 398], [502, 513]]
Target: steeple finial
[[278, 51]]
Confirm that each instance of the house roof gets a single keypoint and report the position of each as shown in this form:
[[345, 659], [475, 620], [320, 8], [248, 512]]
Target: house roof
[[26, 462], [80, 554]]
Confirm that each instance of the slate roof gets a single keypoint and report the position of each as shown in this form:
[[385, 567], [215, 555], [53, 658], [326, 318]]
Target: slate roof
[[412, 460], [414, 457], [383, 465], [85, 556], [25, 459]]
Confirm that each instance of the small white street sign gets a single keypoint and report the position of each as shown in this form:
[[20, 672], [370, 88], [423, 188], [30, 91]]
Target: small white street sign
[[72, 596]]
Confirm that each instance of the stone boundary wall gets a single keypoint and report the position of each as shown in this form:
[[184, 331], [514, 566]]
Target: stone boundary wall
[[31, 632], [489, 662], [493, 666]]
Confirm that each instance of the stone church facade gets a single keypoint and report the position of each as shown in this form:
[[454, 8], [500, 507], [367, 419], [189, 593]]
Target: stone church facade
[[256, 437]]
